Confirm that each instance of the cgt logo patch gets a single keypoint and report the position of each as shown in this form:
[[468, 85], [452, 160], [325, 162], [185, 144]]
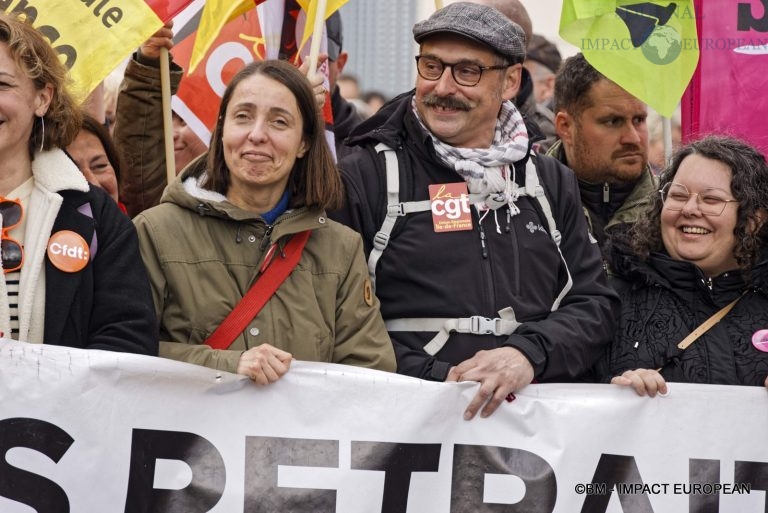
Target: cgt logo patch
[[68, 251]]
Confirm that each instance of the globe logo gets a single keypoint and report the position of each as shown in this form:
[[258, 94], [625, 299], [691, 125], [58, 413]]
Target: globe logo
[[663, 46]]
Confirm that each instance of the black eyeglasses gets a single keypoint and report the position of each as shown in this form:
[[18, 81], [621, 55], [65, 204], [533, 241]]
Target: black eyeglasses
[[12, 251], [465, 73], [711, 202]]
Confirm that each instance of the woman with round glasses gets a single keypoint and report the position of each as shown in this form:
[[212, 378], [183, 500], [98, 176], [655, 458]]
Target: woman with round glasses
[[72, 273], [698, 273]]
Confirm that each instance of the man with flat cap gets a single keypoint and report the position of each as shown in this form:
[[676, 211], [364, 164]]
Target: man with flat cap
[[477, 248]]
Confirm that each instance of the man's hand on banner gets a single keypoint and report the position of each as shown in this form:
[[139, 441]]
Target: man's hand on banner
[[644, 381], [163, 38], [500, 372], [318, 81], [264, 364]]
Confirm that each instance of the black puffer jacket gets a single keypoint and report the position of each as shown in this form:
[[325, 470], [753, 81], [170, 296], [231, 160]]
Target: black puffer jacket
[[449, 275], [664, 300]]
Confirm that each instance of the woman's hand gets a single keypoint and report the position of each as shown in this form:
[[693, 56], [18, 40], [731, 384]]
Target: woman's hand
[[316, 81], [644, 381], [264, 364]]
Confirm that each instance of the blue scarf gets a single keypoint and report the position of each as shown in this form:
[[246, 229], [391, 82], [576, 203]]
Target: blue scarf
[[282, 205]]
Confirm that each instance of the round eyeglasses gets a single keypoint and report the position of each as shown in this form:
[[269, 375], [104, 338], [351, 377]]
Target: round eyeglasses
[[711, 202], [465, 73]]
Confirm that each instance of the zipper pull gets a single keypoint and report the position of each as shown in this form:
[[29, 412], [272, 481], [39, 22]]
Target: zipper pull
[[265, 239], [482, 242], [606, 193]]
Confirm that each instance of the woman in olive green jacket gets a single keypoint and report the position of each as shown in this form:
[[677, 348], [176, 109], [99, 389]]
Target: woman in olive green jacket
[[269, 175]]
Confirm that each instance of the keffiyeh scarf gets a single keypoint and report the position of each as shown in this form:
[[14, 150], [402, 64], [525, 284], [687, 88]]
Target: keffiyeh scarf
[[487, 170]]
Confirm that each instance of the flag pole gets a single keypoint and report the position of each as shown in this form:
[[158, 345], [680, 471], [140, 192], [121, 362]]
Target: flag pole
[[317, 30], [666, 131], [438, 4], [165, 88]]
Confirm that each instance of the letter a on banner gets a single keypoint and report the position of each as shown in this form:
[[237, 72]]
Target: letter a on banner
[[648, 48]]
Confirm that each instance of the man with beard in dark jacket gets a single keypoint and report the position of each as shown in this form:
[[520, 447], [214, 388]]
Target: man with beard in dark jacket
[[604, 139], [477, 247]]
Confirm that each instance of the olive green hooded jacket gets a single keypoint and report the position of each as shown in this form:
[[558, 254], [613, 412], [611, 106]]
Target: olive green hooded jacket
[[203, 253]]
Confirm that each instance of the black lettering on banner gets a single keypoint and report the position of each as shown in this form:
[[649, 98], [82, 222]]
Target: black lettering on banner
[[205, 461], [612, 469], [109, 17], [704, 472], [472, 462], [29, 13], [746, 21], [398, 461], [67, 51], [264, 454], [754, 473], [41, 494]]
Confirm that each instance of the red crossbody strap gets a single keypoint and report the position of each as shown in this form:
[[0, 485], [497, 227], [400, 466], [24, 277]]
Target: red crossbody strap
[[259, 293]]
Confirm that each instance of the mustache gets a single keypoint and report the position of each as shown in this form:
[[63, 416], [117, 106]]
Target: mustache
[[448, 102]]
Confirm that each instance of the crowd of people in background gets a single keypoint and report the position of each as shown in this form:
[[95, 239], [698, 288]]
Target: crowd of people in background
[[510, 220]]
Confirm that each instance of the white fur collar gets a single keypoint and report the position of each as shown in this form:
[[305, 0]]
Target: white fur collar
[[192, 186], [55, 171]]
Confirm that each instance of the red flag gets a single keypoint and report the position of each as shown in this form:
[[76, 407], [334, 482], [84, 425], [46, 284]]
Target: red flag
[[269, 32], [167, 9]]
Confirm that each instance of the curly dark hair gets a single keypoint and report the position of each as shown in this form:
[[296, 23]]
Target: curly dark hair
[[749, 184]]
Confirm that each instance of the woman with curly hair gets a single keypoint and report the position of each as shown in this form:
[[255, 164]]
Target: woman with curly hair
[[700, 254]]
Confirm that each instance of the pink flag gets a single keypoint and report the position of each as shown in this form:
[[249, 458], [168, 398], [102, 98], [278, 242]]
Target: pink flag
[[727, 94]]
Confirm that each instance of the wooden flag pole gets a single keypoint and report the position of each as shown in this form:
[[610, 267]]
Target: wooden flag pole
[[438, 4], [317, 30], [165, 87]]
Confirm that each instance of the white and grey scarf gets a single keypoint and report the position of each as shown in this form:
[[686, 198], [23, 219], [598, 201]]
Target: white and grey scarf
[[489, 171]]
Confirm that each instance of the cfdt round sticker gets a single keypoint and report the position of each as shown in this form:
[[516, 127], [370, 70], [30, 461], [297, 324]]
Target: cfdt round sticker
[[68, 251]]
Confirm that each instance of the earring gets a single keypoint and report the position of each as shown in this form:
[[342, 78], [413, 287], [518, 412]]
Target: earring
[[42, 132]]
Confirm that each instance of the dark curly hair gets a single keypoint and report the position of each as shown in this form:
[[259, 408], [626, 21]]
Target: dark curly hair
[[749, 184]]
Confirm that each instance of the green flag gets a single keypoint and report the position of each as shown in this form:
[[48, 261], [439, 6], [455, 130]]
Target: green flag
[[648, 48]]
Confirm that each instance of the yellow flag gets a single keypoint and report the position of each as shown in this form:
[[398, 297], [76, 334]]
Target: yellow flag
[[310, 7], [216, 14], [91, 38], [650, 49]]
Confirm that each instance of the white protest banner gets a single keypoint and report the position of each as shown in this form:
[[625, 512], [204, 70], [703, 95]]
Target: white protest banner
[[91, 431]]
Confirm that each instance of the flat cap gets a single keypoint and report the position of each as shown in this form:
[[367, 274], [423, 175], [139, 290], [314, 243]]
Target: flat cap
[[480, 23]]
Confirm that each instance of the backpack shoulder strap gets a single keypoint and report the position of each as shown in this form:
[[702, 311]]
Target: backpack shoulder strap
[[395, 208]]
